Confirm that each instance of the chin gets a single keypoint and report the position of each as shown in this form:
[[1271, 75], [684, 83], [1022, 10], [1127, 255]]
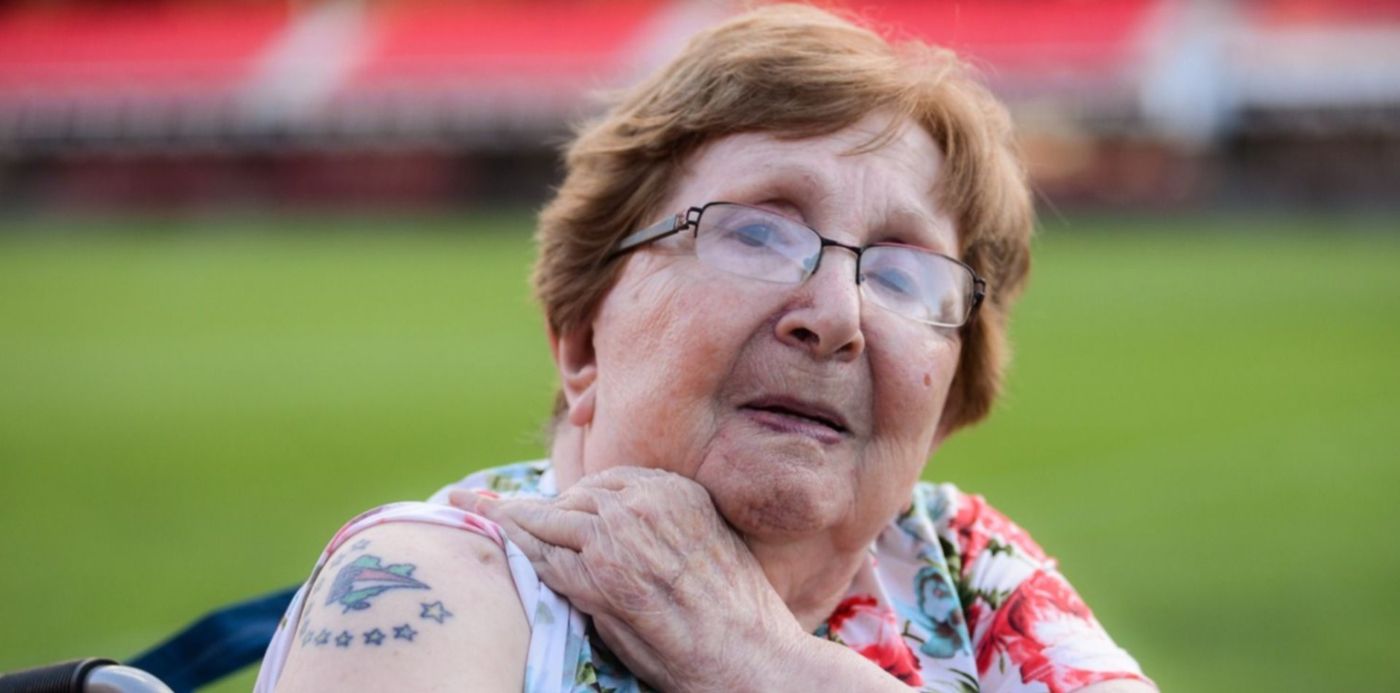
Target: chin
[[776, 498]]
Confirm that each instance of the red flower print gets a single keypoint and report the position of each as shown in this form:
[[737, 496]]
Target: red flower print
[[896, 658], [872, 630], [849, 609], [977, 523], [976, 611], [1043, 612]]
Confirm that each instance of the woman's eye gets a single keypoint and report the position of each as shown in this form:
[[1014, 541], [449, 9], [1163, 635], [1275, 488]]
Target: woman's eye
[[753, 235], [895, 281]]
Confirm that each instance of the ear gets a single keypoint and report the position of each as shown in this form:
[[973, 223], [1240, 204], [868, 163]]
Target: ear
[[577, 364]]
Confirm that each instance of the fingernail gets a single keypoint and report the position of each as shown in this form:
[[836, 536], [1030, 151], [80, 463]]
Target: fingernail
[[462, 498], [485, 505]]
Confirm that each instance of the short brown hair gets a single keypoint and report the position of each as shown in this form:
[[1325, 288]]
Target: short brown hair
[[796, 72]]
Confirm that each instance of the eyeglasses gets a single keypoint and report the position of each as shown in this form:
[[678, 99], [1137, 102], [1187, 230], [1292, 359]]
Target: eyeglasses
[[750, 242]]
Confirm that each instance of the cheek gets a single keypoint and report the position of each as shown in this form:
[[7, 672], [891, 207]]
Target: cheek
[[911, 388], [664, 349]]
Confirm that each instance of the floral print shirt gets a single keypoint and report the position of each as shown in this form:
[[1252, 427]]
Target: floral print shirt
[[954, 597]]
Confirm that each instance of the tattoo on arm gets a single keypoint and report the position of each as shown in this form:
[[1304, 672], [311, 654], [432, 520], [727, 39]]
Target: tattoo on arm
[[365, 578], [356, 586], [435, 612]]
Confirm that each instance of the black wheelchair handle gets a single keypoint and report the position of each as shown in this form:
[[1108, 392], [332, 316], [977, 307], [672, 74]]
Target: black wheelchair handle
[[92, 675], [64, 677]]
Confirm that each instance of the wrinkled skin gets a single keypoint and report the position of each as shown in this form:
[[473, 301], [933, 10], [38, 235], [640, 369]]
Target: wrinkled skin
[[706, 538], [645, 553]]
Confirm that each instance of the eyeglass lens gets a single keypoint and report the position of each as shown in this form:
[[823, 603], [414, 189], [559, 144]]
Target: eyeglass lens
[[759, 244]]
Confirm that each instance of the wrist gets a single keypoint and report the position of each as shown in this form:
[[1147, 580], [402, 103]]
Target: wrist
[[809, 663], [760, 654]]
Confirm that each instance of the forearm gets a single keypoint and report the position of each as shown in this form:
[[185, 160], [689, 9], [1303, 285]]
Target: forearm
[[810, 663]]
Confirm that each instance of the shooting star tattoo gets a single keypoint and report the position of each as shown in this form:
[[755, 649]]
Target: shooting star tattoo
[[366, 577]]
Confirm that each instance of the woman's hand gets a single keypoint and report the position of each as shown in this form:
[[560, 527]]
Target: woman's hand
[[671, 589]]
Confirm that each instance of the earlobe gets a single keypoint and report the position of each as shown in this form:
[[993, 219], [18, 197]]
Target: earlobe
[[577, 364]]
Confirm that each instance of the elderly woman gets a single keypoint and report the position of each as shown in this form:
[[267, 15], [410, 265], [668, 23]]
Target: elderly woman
[[777, 276]]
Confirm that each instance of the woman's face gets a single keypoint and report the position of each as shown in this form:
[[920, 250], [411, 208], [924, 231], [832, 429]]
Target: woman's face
[[716, 377]]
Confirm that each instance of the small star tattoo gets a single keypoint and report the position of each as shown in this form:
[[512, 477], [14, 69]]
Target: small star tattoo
[[404, 632], [323, 637], [343, 640], [360, 545], [435, 611], [374, 637]]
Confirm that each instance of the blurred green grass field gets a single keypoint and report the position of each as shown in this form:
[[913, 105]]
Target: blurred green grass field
[[1201, 423]]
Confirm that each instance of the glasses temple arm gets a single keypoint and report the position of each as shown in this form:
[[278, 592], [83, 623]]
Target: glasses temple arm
[[979, 292], [660, 229]]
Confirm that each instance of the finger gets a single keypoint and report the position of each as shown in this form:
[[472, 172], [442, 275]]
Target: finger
[[618, 478], [625, 478], [527, 521], [481, 502], [578, 499], [534, 549], [570, 529], [585, 499], [559, 568], [468, 499]]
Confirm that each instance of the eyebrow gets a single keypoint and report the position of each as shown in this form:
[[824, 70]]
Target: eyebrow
[[787, 179], [809, 185], [935, 234]]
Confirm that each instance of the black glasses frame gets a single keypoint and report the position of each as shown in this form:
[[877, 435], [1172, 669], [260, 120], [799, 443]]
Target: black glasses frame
[[690, 219]]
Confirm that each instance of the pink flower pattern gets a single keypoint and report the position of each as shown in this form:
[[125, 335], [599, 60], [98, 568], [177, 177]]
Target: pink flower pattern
[[866, 627]]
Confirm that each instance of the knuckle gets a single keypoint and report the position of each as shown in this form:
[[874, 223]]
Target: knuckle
[[621, 473], [644, 512], [694, 488], [619, 582], [631, 596]]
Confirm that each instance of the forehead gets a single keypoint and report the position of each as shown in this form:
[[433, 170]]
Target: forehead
[[834, 180]]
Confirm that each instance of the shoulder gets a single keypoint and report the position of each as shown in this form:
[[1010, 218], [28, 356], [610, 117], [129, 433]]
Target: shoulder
[[405, 605], [976, 529], [1027, 622]]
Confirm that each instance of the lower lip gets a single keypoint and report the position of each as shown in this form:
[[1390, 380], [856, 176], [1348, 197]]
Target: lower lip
[[785, 423]]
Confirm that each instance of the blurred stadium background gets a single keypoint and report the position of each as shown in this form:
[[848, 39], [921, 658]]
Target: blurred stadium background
[[262, 266]]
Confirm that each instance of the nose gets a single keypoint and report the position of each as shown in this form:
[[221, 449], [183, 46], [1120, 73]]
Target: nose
[[823, 315]]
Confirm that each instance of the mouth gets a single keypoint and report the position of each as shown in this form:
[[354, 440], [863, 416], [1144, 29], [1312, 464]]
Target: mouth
[[797, 416]]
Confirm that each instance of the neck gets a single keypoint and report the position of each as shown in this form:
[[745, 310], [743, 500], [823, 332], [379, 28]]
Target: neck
[[810, 590]]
